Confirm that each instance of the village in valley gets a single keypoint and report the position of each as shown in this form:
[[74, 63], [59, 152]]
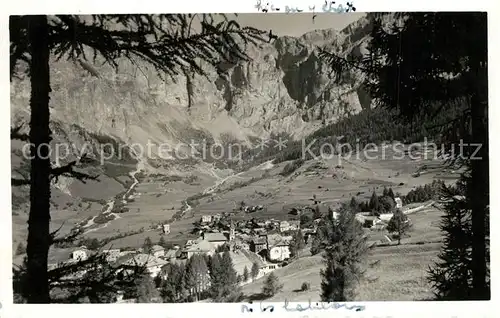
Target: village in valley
[[259, 245], [225, 163]]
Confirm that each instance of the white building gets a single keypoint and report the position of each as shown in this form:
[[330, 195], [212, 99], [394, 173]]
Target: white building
[[335, 215], [153, 264], [279, 252], [386, 217], [166, 228], [80, 254], [267, 268], [217, 239], [112, 254], [201, 247], [206, 218], [289, 226], [399, 203]]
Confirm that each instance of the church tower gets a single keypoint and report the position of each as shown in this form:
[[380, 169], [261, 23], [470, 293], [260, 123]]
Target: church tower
[[232, 232]]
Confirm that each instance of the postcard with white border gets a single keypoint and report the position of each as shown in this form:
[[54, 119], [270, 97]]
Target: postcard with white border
[[296, 159]]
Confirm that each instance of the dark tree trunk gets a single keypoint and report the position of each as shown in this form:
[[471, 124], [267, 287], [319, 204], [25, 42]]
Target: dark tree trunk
[[480, 184], [39, 216]]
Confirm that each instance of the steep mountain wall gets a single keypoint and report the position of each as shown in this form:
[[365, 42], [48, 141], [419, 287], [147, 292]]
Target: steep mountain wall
[[286, 88]]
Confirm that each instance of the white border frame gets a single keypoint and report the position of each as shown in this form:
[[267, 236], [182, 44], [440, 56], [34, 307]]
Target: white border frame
[[379, 309]]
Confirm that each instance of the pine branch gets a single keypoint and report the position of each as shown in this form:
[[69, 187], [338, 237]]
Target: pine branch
[[16, 135], [19, 182], [19, 50], [66, 239], [164, 41], [89, 68], [68, 171]]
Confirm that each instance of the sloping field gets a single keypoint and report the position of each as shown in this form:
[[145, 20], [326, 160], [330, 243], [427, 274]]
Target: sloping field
[[392, 272], [400, 275]]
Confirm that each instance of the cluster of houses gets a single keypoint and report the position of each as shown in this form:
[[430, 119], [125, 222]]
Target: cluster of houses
[[251, 208], [264, 242], [377, 222], [245, 250]]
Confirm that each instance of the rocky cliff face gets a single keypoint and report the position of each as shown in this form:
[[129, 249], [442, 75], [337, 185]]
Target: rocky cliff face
[[286, 88]]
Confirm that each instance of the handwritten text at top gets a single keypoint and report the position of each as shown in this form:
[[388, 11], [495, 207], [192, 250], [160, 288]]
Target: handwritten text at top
[[326, 7]]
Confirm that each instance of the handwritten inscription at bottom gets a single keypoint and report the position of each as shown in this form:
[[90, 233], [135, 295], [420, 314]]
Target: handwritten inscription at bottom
[[300, 308]]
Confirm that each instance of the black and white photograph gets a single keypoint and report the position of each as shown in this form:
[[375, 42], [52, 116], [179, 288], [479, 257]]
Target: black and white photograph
[[252, 157]]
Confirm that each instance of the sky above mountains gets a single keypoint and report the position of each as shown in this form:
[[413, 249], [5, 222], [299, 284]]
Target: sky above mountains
[[298, 23]]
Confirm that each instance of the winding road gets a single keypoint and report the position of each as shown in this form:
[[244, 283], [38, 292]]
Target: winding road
[[140, 167], [111, 203]]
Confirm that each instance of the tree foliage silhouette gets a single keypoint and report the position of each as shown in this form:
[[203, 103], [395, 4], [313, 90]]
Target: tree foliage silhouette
[[449, 68], [399, 223], [197, 276], [173, 288], [297, 244], [166, 42], [450, 275], [94, 279], [271, 286], [254, 271], [224, 279], [246, 274], [147, 246], [146, 289], [345, 250]]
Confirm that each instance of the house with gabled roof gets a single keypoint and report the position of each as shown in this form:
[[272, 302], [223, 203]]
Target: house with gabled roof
[[112, 254], [171, 254], [206, 218], [289, 226], [279, 251], [158, 250], [217, 239], [153, 264], [80, 254], [201, 247], [258, 244]]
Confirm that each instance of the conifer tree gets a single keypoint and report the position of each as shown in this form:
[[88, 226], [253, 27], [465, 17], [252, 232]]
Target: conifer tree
[[246, 274], [254, 271], [354, 205], [180, 282], [93, 280], [450, 78], [148, 245], [173, 286], [344, 252], [399, 224], [227, 280], [390, 193], [228, 269], [146, 289], [298, 243], [162, 242], [196, 278], [94, 244], [450, 275], [216, 273], [317, 212], [166, 42], [374, 204], [272, 285], [321, 238]]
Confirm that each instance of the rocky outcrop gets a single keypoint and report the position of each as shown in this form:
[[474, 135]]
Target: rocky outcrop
[[284, 88]]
